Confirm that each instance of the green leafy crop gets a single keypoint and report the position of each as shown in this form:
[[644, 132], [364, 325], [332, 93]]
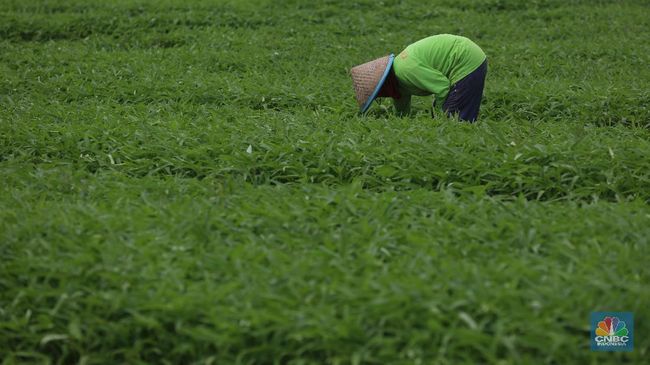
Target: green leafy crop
[[189, 182]]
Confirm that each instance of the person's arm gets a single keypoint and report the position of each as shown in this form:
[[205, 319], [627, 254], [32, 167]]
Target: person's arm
[[403, 105], [430, 80]]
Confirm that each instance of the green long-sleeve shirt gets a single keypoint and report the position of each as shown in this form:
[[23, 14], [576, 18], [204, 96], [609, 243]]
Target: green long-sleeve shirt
[[432, 65]]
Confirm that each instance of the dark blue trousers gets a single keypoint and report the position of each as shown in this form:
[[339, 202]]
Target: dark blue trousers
[[464, 98]]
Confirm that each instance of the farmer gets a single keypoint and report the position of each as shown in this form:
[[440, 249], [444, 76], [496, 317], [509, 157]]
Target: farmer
[[450, 67]]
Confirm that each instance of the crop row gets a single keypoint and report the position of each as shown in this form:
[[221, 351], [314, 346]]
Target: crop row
[[565, 160]]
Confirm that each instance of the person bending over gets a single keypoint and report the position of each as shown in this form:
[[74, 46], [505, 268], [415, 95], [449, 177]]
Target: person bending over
[[449, 67]]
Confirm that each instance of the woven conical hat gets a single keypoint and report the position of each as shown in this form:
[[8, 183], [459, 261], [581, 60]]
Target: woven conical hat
[[368, 79]]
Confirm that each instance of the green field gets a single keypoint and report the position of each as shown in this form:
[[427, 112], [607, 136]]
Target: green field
[[187, 181]]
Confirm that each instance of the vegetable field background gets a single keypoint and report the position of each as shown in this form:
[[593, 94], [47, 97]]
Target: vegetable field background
[[187, 181]]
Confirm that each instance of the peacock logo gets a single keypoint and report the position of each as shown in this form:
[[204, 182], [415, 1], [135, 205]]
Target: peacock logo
[[612, 331], [611, 326]]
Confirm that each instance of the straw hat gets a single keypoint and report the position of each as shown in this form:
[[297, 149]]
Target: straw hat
[[368, 79]]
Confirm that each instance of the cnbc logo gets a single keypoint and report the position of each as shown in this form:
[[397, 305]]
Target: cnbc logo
[[612, 331]]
